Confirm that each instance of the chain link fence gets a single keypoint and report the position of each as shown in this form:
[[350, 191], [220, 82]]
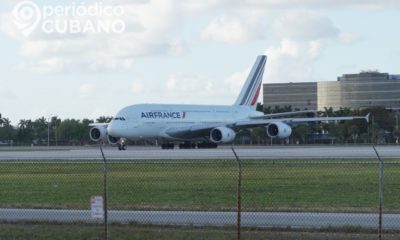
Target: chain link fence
[[200, 199]]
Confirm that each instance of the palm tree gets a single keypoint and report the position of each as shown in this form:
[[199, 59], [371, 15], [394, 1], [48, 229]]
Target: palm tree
[[5, 122], [327, 112], [22, 124], [104, 119]]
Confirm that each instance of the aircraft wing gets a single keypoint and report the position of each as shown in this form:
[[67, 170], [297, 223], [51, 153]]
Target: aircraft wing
[[273, 115], [188, 132], [202, 130], [98, 124], [256, 123]]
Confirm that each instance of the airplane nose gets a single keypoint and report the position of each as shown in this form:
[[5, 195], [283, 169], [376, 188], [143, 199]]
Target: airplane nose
[[116, 129]]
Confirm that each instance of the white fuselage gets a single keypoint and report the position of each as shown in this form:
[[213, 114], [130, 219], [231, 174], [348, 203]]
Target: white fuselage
[[152, 120]]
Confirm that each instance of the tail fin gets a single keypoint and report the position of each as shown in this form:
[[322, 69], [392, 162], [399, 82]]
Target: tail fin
[[251, 89]]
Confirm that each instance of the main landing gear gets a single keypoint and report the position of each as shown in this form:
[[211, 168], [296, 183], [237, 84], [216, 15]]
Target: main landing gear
[[167, 146], [189, 145]]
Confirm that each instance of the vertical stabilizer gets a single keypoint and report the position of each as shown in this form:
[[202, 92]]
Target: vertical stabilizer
[[251, 88]]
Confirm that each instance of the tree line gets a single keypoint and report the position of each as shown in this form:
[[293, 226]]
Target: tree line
[[42, 131], [383, 128]]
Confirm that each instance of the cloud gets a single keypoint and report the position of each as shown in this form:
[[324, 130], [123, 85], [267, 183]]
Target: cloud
[[349, 37], [180, 87], [326, 4], [188, 83], [52, 65], [235, 82], [212, 5], [87, 90], [303, 37], [177, 48], [234, 28], [137, 86], [151, 28], [7, 95], [206, 5], [292, 61], [304, 25]]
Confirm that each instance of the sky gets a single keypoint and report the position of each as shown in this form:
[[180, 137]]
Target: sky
[[187, 52]]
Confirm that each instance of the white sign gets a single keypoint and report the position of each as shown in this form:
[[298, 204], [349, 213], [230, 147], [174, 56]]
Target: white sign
[[96, 205]]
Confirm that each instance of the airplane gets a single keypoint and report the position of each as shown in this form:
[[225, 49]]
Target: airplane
[[201, 126]]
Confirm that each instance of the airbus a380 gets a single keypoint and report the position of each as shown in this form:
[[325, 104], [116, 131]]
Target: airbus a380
[[201, 126]]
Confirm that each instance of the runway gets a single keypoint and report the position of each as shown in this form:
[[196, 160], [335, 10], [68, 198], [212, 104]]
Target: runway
[[224, 152], [248, 219]]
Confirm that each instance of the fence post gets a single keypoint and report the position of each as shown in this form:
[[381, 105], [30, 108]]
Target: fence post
[[105, 191], [239, 183], [381, 186]]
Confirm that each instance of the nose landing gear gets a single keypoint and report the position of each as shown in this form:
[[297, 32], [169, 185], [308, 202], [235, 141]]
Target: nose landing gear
[[121, 145]]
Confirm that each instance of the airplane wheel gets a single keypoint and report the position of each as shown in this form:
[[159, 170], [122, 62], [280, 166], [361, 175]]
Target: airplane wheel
[[167, 146]]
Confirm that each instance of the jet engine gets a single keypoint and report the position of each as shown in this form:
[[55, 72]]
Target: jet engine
[[99, 133], [222, 135], [279, 130]]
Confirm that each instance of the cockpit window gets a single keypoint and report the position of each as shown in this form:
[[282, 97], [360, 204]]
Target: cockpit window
[[119, 118]]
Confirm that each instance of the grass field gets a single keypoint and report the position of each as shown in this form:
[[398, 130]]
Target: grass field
[[34, 231], [284, 185]]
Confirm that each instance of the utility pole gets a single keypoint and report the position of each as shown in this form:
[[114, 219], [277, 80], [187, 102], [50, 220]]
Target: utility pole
[[381, 189], [373, 130], [48, 132], [239, 191]]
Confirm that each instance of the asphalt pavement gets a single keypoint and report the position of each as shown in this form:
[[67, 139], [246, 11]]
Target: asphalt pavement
[[261, 152], [198, 218]]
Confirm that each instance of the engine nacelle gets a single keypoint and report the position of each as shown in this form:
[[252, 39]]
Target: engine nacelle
[[279, 130], [99, 133], [222, 135], [112, 140]]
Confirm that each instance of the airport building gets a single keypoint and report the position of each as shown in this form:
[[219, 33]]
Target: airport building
[[298, 95], [355, 91]]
